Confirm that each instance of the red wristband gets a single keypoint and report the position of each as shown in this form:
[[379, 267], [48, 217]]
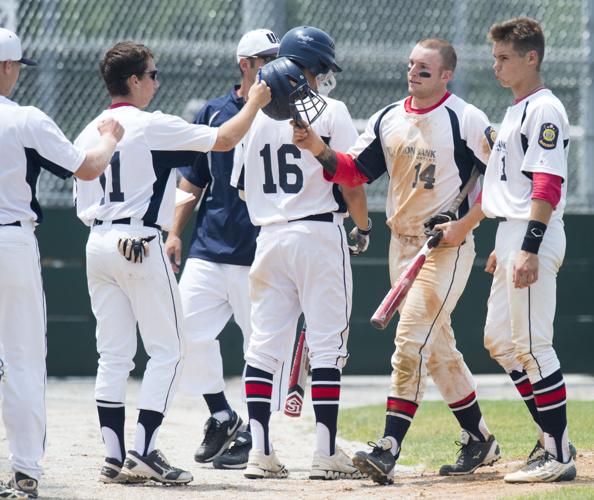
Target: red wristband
[[347, 172]]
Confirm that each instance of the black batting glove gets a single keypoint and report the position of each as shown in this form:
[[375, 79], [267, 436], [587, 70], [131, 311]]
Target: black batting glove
[[360, 238], [135, 249], [434, 220]]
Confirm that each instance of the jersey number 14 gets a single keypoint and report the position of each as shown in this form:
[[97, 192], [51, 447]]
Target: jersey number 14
[[290, 176]]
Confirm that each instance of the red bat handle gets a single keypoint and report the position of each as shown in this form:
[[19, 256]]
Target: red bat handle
[[294, 400]]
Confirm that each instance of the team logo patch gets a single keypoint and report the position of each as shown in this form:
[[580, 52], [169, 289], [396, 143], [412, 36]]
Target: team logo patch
[[549, 133], [491, 136]]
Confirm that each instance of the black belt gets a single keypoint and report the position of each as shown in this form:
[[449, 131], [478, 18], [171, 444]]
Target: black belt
[[327, 217], [16, 223], [500, 219], [126, 220]]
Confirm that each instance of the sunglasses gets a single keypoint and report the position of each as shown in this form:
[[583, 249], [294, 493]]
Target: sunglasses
[[152, 74], [266, 59]]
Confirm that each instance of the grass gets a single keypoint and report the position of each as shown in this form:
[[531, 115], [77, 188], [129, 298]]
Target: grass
[[430, 440], [564, 493]]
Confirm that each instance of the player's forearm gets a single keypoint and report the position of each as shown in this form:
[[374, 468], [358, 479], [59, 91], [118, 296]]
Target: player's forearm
[[183, 213], [473, 217], [356, 200], [232, 131], [97, 159], [327, 157]]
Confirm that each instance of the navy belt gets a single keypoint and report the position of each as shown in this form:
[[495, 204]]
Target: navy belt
[[16, 223], [126, 220], [500, 219], [327, 217]]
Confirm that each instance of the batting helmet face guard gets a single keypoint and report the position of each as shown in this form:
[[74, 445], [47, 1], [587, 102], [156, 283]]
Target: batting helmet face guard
[[311, 48], [292, 97]]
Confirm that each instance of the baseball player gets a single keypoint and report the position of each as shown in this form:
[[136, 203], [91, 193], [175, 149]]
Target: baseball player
[[525, 189], [428, 144], [130, 278], [29, 141], [302, 261], [215, 283]]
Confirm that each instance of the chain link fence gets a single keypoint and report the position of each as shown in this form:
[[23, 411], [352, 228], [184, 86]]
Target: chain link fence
[[194, 42]]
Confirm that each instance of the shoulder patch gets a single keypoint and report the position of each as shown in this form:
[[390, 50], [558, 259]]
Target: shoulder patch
[[491, 136], [549, 133]]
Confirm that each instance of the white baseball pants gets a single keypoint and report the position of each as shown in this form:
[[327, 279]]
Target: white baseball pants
[[210, 294], [300, 266], [425, 343], [22, 347], [519, 326], [124, 294]]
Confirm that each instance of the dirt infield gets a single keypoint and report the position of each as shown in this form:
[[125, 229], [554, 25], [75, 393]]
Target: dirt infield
[[75, 453]]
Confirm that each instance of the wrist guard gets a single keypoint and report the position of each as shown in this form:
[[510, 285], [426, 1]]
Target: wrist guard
[[534, 235]]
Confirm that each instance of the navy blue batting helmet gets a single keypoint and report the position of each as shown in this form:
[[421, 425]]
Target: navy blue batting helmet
[[311, 48], [292, 97]]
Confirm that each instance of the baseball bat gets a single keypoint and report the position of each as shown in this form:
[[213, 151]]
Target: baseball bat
[[395, 296], [298, 378]]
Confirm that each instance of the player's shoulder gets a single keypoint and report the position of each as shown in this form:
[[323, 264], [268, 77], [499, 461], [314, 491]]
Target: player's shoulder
[[546, 99]]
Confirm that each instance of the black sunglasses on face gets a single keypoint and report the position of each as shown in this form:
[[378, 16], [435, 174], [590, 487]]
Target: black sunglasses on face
[[152, 74], [266, 59]]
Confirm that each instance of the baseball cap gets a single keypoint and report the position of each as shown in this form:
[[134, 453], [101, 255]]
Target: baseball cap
[[10, 48], [260, 42]]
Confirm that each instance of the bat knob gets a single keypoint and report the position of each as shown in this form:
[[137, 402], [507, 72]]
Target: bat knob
[[378, 324]]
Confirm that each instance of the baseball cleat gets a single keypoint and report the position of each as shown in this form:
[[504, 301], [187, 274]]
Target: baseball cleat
[[546, 470], [23, 483], [217, 437], [337, 466], [111, 473], [472, 455], [379, 464], [538, 452], [153, 466], [236, 456], [262, 466], [6, 492]]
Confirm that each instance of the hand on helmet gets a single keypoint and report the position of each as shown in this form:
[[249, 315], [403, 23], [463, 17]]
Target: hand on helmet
[[259, 94], [306, 138]]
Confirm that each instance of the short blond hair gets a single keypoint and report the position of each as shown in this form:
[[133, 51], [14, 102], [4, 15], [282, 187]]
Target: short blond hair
[[446, 50]]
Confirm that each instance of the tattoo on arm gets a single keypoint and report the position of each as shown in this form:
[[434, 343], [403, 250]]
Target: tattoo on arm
[[328, 160]]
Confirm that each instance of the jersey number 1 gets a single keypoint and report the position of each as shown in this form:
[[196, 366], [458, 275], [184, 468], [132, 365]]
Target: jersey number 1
[[285, 170], [116, 194]]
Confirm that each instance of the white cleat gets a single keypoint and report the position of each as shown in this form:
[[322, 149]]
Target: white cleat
[[262, 466], [337, 466], [153, 466], [546, 470]]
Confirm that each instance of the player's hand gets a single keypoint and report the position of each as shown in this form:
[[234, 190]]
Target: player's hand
[[306, 138], [491, 264], [173, 250], [440, 218], [112, 127], [259, 94], [454, 233], [525, 271], [360, 239]]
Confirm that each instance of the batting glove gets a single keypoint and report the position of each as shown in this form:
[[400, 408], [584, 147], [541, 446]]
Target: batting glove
[[134, 249], [360, 238], [434, 220]]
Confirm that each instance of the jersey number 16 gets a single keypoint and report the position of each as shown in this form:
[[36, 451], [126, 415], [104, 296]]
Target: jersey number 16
[[290, 176]]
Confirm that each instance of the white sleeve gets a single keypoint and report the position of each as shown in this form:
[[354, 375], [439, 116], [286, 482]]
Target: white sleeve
[[42, 134], [238, 161], [343, 132], [366, 138], [477, 133], [171, 133], [544, 130]]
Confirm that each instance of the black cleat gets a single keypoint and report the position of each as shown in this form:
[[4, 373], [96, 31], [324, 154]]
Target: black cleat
[[236, 456], [23, 483], [217, 437], [472, 455], [379, 464], [538, 452]]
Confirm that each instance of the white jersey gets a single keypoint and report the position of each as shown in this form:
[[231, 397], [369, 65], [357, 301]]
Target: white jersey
[[534, 137], [29, 141], [282, 182], [139, 183], [428, 154]]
